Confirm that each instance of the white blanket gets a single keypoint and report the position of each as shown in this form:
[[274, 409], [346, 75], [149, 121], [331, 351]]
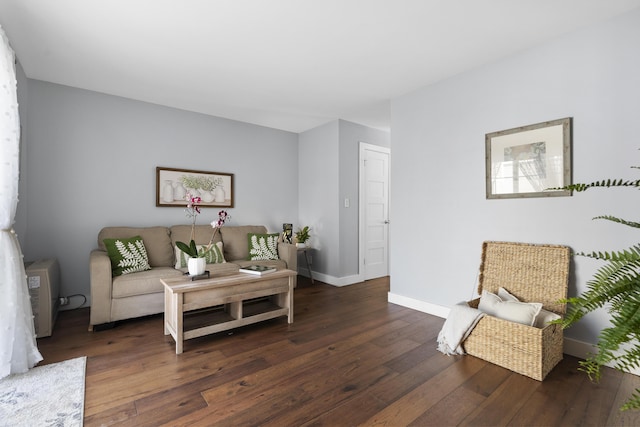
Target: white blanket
[[459, 324]]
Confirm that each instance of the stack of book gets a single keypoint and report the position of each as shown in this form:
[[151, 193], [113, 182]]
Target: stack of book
[[257, 269]]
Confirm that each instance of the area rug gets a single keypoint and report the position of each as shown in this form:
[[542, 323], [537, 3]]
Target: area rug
[[48, 395]]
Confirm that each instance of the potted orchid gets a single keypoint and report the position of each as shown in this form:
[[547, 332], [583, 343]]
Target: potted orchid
[[197, 260]]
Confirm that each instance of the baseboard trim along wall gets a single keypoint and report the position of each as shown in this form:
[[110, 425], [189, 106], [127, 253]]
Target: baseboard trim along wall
[[572, 346], [331, 280]]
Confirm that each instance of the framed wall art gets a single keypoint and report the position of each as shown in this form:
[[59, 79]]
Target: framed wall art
[[529, 161], [287, 233], [214, 188]]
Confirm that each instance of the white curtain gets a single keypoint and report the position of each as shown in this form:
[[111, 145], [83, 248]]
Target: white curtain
[[18, 349]]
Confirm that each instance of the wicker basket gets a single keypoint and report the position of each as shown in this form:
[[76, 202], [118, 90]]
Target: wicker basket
[[533, 273]]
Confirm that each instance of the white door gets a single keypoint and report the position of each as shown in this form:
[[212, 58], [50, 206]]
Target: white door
[[374, 176]]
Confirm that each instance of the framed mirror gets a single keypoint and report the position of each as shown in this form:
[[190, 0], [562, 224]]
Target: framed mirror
[[529, 161]]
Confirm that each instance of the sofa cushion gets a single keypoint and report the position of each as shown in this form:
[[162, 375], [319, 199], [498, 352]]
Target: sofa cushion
[[262, 246], [214, 256], [236, 245], [127, 255], [143, 282], [156, 241]]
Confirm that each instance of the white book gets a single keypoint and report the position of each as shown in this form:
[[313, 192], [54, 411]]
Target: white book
[[257, 269]]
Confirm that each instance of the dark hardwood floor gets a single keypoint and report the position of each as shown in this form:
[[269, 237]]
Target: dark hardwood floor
[[350, 358]]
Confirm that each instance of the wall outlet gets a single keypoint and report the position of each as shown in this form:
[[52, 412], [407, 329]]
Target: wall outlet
[[64, 300]]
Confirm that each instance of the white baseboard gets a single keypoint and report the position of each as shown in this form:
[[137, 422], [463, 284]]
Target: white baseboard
[[331, 280], [581, 350], [571, 346], [578, 348], [423, 306]]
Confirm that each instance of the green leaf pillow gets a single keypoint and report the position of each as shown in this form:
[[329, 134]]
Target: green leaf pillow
[[215, 256], [263, 246], [127, 255]]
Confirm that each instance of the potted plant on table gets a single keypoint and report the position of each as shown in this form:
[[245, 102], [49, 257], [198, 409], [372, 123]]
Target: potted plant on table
[[302, 236], [197, 261]]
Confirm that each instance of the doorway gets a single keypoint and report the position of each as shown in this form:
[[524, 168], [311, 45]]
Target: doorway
[[374, 211]]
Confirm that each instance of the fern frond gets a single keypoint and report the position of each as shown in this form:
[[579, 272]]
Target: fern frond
[[615, 285], [629, 255], [630, 360], [603, 183], [591, 368], [613, 282], [619, 220], [633, 402]]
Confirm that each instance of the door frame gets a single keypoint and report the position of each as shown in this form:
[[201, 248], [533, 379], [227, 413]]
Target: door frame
[[362, 203]]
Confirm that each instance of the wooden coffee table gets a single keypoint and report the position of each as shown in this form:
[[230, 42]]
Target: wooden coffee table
[[202, 307]]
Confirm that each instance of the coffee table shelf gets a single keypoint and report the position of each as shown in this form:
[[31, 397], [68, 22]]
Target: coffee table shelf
[[230, 300]]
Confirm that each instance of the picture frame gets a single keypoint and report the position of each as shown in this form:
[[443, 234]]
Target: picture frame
[[529, 161], [287, 233], [214, 188]]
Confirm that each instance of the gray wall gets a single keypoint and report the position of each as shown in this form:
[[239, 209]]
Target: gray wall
[[440, 214], [318, 193], [329, 174], [91, 159], [351, 134]]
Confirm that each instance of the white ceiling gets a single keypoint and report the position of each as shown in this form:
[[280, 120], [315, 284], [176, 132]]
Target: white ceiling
[[286, 64]]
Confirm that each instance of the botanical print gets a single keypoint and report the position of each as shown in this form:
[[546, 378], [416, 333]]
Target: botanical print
[[213, 188], [134, 256], [263, 247]]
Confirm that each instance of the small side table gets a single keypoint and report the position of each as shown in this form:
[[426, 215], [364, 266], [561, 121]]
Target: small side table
[[306, 258]]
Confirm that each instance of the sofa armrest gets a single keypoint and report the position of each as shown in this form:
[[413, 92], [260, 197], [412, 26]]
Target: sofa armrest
[[289, 254], [101, 287]]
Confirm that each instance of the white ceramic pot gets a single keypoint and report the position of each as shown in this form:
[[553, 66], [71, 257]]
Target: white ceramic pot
[[301, 245], [167, 191], [219, 194], [179, 192], [207, 196], [196, 266]]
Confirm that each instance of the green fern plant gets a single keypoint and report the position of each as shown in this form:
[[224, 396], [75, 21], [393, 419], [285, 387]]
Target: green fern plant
[[616, 286]]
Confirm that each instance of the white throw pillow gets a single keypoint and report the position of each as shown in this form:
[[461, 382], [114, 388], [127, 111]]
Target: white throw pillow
[[215, 256], [506, 296], [489, 303], [543, 318], [519, 312]]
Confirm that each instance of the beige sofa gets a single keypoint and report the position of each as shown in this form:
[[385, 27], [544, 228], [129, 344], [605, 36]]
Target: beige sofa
[[141, 293]]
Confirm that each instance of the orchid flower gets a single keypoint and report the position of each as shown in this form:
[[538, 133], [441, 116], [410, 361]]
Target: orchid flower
[[192, 211], [223, 217], [193, 206]]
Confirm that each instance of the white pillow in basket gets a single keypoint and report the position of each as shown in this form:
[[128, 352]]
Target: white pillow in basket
[[518, 312], [543, 318]]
